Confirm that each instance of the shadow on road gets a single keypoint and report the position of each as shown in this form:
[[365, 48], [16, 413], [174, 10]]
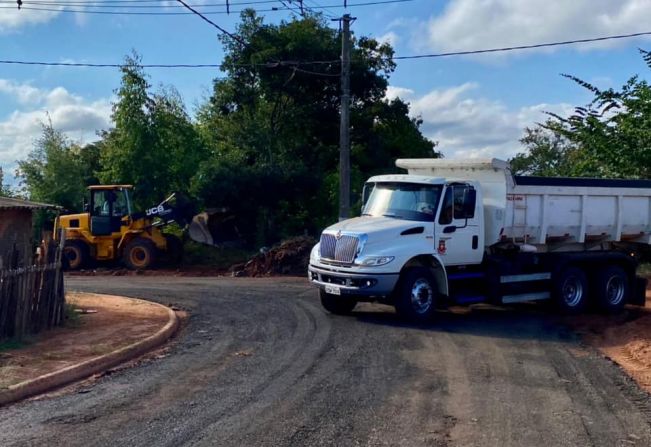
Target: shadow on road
[[524, 321]]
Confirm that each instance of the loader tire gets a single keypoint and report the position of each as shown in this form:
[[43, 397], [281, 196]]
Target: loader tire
[[139, 254], [77, 255]]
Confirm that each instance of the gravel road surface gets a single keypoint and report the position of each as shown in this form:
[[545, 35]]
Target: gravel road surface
[[260, 363]]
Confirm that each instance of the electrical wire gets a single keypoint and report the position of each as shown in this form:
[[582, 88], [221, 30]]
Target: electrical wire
[[524, 47], [64, 9], [126, 3], [336, 61], [207, 20], [92, 65]]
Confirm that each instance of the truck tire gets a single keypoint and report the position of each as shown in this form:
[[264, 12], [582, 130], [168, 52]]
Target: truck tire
[[417, 293], [570, 290], [611, 289], [174, 252], [139, 254], [76, 253], [337, 304]]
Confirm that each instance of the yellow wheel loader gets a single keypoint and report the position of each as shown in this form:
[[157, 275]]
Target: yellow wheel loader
[[110, 230]]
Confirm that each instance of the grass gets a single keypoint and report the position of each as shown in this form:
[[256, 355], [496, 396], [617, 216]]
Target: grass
[[196, 254], [8, 345], [71, 317]]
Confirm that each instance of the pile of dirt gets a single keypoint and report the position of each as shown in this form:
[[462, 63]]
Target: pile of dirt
[[625, 338], [291, 257]]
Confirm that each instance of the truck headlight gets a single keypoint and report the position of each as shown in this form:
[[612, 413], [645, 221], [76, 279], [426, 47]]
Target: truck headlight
[[315, 254], [375, 261]]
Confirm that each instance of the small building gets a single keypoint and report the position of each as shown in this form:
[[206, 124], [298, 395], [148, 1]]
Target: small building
[[16, 228]]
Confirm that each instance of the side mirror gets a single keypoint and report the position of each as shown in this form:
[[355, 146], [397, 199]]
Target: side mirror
[[449, 229]]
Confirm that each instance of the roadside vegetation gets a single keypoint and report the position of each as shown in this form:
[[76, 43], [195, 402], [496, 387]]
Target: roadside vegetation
[[264, 143]]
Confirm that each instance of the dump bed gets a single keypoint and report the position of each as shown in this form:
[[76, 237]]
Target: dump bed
[[545, 210]]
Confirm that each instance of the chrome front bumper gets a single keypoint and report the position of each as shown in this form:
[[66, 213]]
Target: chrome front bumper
[[349, 283]]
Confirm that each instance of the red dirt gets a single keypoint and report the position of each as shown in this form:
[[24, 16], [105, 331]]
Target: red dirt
[[118, 322], [624, 338], [291, 257]]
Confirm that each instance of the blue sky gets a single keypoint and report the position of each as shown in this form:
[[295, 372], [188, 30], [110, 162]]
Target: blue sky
[[475, 106]]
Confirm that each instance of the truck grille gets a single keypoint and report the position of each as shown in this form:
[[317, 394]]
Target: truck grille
[[342, 250]]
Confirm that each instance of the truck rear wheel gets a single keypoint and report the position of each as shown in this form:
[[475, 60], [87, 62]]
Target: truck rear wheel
[[570, 290], [139, 254], [337, 304], [611, 289], [417, 292], [76, 253]]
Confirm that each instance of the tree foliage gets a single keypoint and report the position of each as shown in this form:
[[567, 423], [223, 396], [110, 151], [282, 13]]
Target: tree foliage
[[609, 137], [153, 145], [56, 170], [276, 124], [264, 145]]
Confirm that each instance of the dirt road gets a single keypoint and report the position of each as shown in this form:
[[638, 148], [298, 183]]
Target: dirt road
[[260, 363]]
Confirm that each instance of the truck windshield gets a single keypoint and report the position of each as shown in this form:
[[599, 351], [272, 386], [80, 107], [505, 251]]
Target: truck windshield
[[409, 201]]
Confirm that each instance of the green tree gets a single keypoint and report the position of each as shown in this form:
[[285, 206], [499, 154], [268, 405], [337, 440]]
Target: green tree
[[153, 145], [548, 154], [272, 125], [609, 137], [5, 190], [54, 171]]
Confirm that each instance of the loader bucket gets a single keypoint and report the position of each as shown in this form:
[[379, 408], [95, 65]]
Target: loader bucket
[[214, 227]]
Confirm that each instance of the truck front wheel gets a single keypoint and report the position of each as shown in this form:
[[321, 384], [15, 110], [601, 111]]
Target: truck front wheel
[[337, 304], [570, 290], [139, 254], [76, 254], [611, 289], [416, 298]]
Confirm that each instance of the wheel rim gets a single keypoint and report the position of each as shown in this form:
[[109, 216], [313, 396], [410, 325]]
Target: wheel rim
[[572, 291], [139, 256], [615, 290], [422, 295]]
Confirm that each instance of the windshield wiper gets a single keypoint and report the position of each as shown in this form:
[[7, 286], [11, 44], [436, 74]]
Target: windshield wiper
[[394, 215]]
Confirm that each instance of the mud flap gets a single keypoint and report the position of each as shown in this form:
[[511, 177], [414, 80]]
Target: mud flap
[[638, 294]]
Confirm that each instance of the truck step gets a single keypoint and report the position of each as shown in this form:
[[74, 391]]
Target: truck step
[[508, 299], [465, 275], [525, 277]]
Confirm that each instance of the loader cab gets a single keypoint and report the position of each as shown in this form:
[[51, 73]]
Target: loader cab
[[109, 204]]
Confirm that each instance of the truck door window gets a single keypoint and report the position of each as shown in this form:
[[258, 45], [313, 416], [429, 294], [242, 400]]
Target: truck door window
[[101, 203], [456, 203], [445, 218]]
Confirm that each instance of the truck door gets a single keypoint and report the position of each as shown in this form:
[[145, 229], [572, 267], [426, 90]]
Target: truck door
[[458, 240]]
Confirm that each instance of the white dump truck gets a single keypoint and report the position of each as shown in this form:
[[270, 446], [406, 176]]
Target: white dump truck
[[462, 232]]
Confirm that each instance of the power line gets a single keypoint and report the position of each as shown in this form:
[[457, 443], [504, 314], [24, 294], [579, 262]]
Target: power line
[[333, 61], [206, 19], [524, 47], [128, 3], [119, 9], [92, 65]]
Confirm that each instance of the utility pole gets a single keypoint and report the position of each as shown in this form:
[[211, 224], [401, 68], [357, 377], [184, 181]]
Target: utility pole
[[344, 126]]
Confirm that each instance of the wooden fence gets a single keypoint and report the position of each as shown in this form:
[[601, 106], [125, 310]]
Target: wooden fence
[[32, 295]]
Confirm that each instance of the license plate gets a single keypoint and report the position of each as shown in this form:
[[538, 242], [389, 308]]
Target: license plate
[[333, 290]]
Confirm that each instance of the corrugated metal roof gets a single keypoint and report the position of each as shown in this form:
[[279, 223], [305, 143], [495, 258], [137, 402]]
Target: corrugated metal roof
[[9, 203]]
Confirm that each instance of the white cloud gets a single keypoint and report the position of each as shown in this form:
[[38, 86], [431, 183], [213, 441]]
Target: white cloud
[[471, 126], [13, 18], [77, 117], [390, 37], [473, 24]]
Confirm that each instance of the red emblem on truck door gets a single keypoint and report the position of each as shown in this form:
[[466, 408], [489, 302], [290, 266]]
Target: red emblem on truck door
[[441, 248]]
